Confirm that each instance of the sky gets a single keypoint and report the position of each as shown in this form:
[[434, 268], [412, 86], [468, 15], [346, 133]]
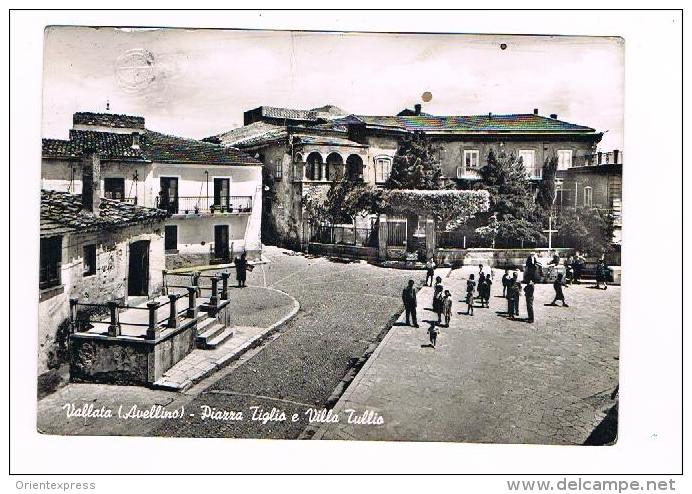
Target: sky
[[198, 82]]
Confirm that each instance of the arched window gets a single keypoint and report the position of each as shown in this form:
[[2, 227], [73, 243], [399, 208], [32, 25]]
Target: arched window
[[313, 166], [354, 167], [335, 164]]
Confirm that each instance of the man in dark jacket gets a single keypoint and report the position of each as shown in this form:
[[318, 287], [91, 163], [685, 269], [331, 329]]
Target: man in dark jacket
[[409, 298], [528, 292]]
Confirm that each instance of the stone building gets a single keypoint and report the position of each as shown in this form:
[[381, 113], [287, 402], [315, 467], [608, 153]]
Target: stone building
[[304, 150], [213, 193], [95, 249], [596, 182]]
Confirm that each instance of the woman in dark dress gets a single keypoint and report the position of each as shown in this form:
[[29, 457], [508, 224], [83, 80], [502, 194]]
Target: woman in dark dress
[[241, 270]]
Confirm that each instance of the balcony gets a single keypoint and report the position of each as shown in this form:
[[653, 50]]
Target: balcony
[[206, 205]]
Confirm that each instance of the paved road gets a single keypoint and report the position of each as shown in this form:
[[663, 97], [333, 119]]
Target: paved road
[[343, 309], [491, 379]]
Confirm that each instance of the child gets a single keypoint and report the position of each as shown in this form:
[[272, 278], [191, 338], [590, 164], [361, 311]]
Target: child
[[447, 307], [432, 331], [430, 271], [471, 285], [469, 303], [505, 282], [557, 285]]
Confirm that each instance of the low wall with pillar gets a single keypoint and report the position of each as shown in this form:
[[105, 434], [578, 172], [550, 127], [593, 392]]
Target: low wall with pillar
[[170, 336], [128, 360]]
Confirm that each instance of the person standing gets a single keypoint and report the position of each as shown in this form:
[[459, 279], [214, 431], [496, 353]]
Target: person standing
[[530, 267], [488, 289], [505, 282], [447, 307], [510, 298], [602, 273], [559, 295], [409, 298], [569, 270], [438, 302], [241, 267], [579, 262], [430, 271], [481, 287], [528, 293]]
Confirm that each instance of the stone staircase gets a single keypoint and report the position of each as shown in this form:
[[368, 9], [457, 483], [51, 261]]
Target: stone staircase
[[210, 332]]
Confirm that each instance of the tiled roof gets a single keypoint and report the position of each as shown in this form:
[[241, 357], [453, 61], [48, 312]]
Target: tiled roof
[[253, 134], [153, 146], [473, 123], [324, 112], [326, 140], [108, 120], [165, 148], [62, 213]]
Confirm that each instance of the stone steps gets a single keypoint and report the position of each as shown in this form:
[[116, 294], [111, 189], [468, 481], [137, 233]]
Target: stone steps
[[211, 333], [220, 338]]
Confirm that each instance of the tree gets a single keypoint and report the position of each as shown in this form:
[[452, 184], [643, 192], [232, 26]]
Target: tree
[[416, 165], [511, 200], [585, 229], [546, 189]]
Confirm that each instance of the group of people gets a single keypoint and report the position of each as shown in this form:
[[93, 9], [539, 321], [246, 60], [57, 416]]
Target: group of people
[[480, 290]]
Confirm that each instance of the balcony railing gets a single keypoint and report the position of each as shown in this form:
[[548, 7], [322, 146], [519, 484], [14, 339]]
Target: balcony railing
[[206, 204], [601, 158]]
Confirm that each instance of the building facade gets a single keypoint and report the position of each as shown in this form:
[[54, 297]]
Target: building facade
[[97, 250], [304, 150], [213, 193]]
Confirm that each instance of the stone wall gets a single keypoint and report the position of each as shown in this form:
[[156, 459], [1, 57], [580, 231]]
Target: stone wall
[[108, 283], [347, 251], [496, 258]]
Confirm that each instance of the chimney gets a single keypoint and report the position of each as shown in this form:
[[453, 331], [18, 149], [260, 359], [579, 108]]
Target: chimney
[[91, 181], [135, 140], [535, 111], [418, 108], [553, 116]]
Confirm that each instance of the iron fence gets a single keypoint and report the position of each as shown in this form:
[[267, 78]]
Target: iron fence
[[342, 234]]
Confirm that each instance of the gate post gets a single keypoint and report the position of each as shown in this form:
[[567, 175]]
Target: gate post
[[114, 326], [382, 238], [430, 240]]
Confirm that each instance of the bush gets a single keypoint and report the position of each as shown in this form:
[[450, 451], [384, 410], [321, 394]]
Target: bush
[[585, 229]]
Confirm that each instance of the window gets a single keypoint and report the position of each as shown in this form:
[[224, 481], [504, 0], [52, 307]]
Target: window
[[588, 196], [49, 265], [89, 260], [171, 237], [528, 157], [114, 188], [460, 171], [279, 171], [383, 169], [471, 158], [564, 159]]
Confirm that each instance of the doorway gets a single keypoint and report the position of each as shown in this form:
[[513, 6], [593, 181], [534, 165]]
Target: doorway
[[168, 197], [221, 242], [138, 272], [222, 187]]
